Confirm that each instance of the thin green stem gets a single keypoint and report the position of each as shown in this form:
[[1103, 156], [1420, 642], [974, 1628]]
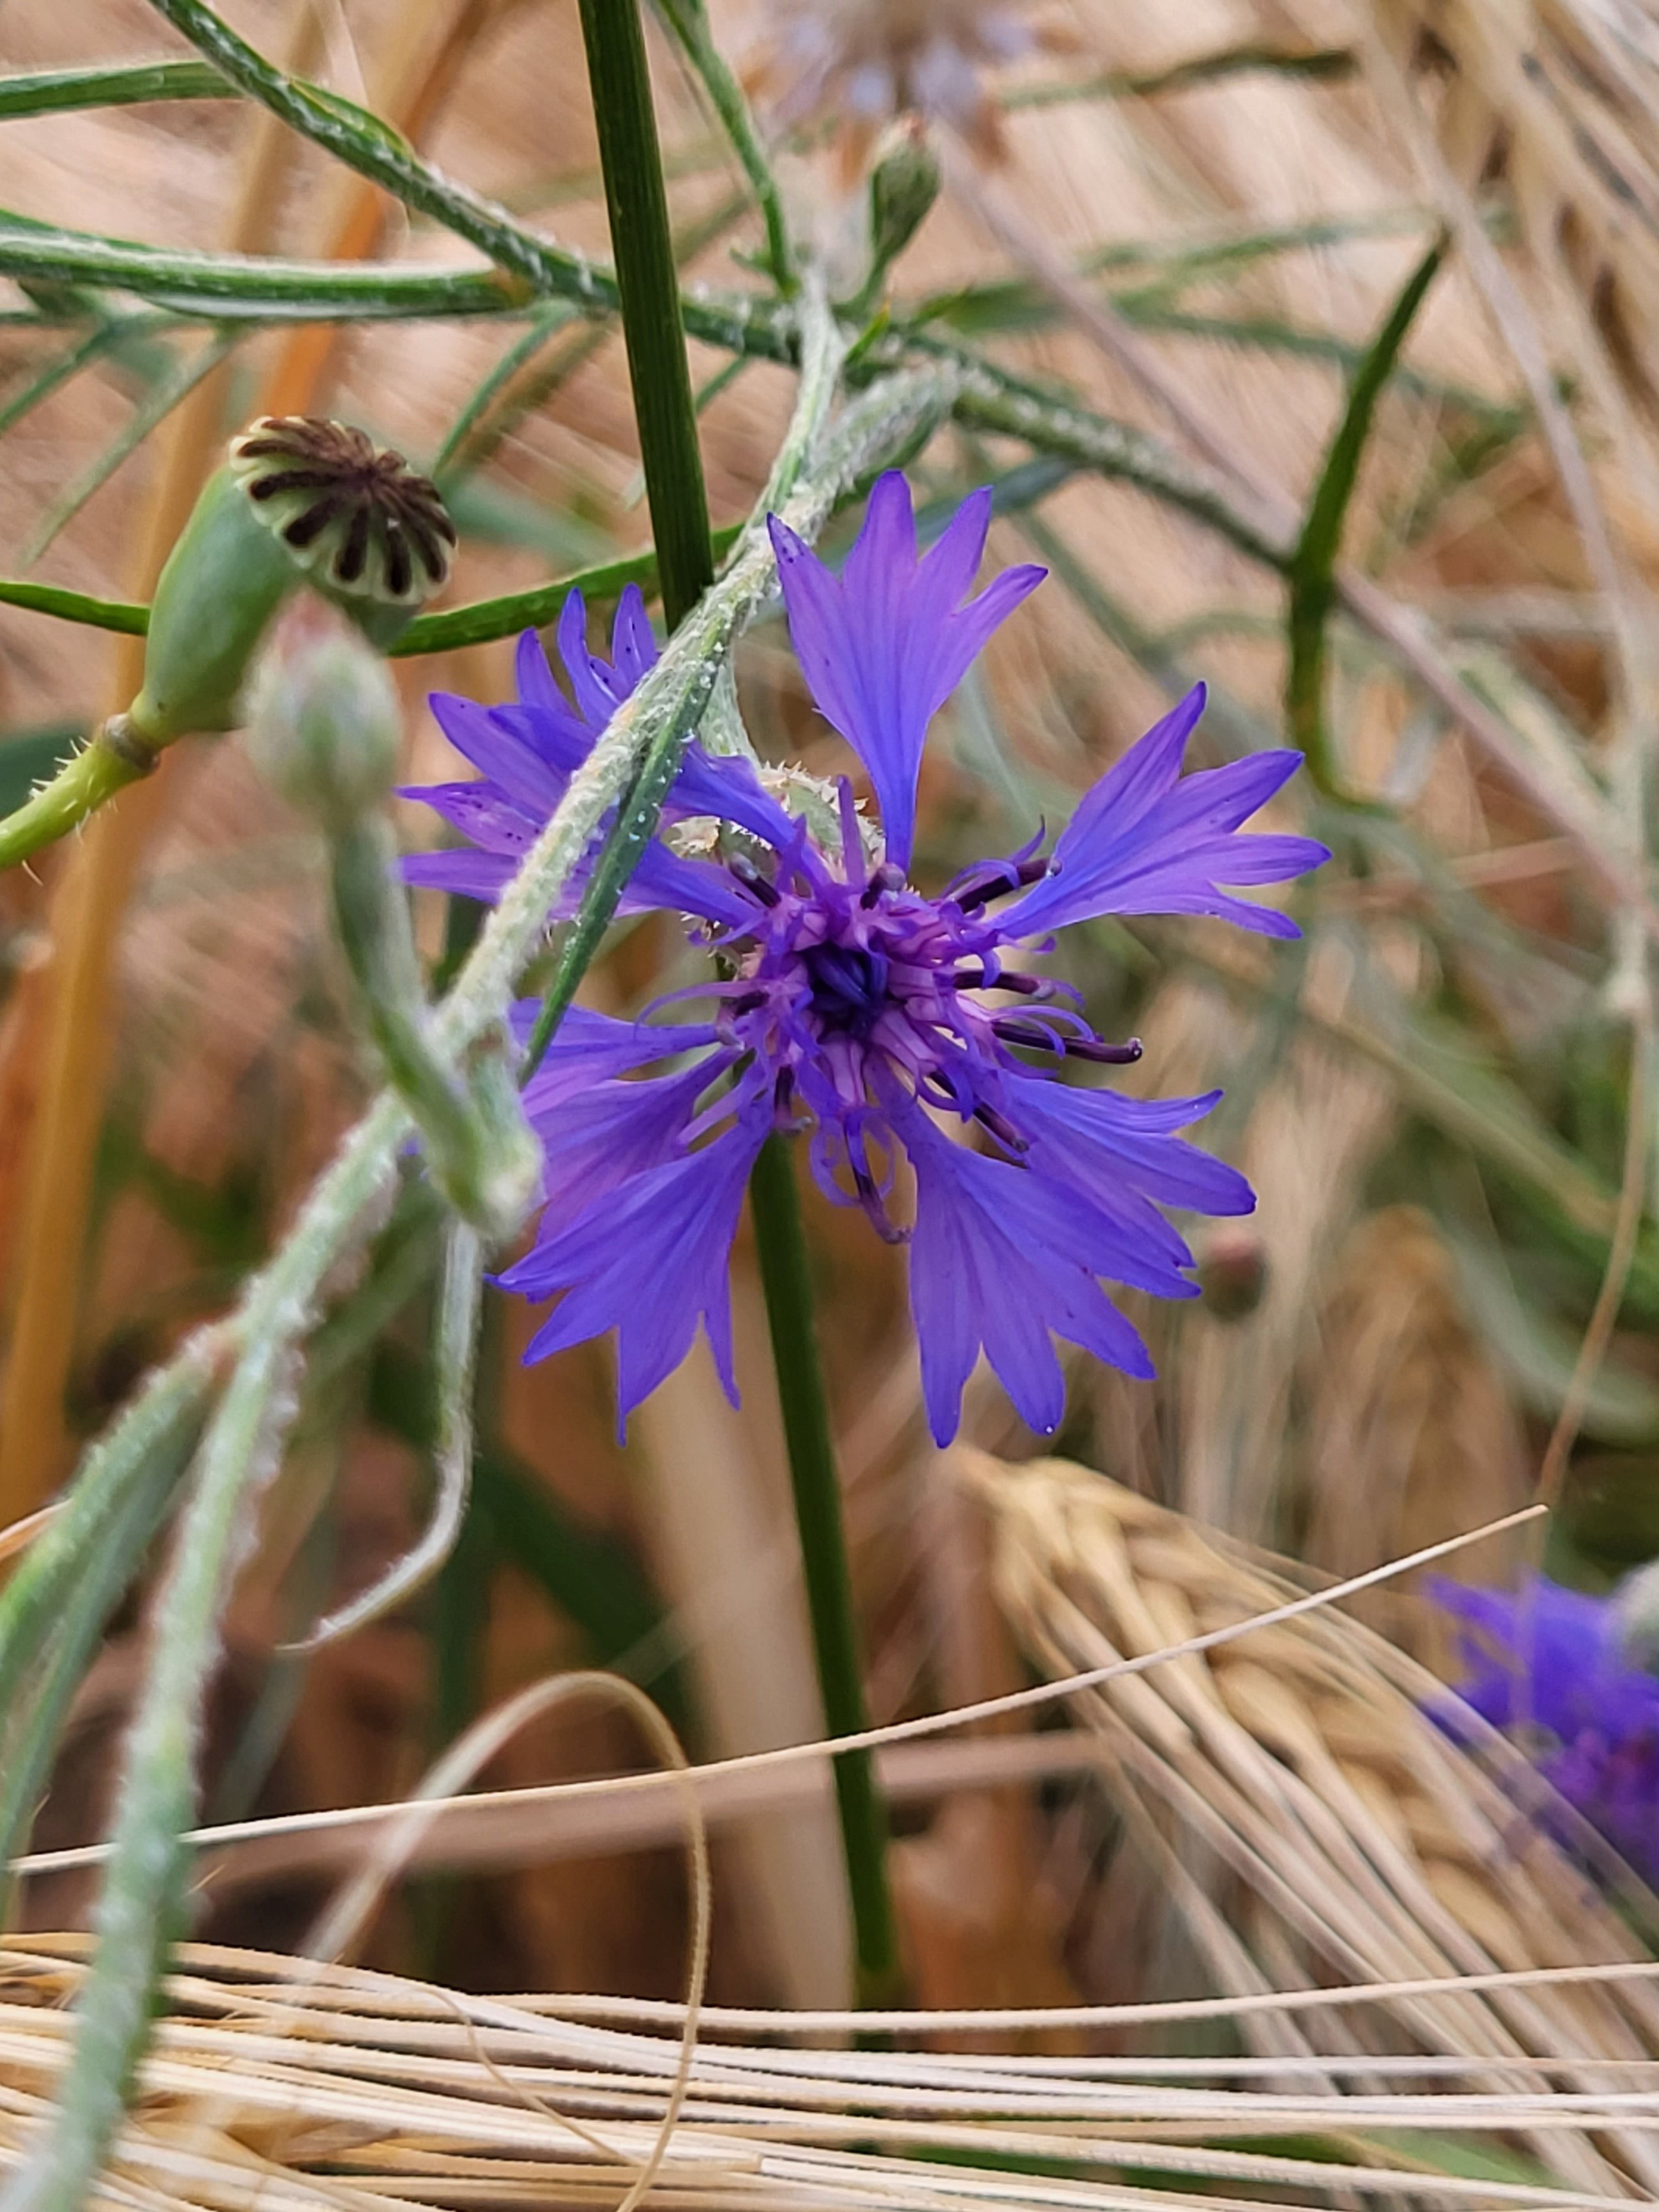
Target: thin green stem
[[237, 283], [160, 1425], [45, 92], [673, 477], [537, 267], [541, 326], [479, 623], [636, 200], [786, 1278], [139, 1908], [483, 1177], [87, 1592], [688, 21], [1323, 64]]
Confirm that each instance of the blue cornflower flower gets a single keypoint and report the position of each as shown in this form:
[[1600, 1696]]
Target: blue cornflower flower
[[1553, 1665], [848, 1004]]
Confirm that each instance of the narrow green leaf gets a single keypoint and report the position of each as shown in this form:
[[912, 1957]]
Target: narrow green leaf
[[47, 380], [1313, 563], [119, 615], [529, 342], [1321, 63], [491, 618], [1539, 1351], [476, 624], [147, 415], [248, 285], [688, 21]]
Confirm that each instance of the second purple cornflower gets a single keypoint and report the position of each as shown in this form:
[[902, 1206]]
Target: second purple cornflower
[[1551, 1666], [860, 1012]]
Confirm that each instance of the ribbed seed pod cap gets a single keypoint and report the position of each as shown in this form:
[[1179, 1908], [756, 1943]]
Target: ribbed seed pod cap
[[367, 530], [298, 501]]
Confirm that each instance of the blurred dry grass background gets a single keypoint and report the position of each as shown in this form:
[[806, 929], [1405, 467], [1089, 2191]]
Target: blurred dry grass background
[[1428, 1097]]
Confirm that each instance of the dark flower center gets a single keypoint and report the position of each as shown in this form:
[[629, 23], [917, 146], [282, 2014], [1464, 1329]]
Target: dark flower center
[[848, 987]]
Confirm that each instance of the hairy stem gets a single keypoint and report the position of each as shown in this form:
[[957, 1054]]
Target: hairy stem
[[688, 21]]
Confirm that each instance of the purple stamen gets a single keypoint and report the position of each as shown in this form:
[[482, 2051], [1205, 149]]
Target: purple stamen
[[1003, 876], [1025, 986], [751, 877], [1000, 1127], [1107, 1055], [852, 837], [1038, 1038]]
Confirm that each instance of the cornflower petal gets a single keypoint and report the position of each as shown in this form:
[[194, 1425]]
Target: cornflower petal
[[649, 1260], [509, 759], [1001, 1256], [596, 1140], [885, 644], [1146, 840], [599, 688], [1547, 1662], [1108, 1143], [461, 872], [588, 1047], [481, 812], [679, 885], [727, 786], [633, 643], [543, 717]]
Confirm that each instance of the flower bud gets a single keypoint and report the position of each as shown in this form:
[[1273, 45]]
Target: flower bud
[[1232, 1273], [299, 501], [323, 722], [903, 185]]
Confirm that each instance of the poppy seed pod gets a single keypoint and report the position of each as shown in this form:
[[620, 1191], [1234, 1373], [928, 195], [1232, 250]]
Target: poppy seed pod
[[299, 501]]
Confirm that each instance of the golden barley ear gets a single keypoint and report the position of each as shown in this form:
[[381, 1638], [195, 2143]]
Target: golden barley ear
[[1307, 1820]]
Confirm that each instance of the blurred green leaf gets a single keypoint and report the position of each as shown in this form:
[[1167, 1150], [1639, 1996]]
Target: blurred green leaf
[[1538, 1351], [28, 758], [1313, 564]]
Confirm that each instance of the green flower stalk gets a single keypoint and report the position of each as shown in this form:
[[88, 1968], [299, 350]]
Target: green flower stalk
[[299, 502], [323, 724]]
